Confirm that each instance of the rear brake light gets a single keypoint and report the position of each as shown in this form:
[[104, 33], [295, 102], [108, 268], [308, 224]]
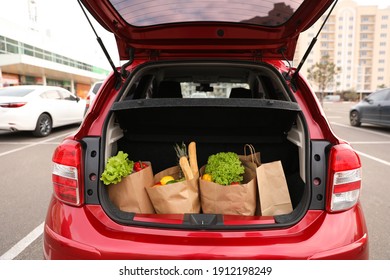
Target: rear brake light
[[344, 180], [13, 105], [88, 101], [67, 175]]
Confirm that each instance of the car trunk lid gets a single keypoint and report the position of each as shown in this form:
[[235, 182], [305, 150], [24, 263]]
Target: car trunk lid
[[268, 29]]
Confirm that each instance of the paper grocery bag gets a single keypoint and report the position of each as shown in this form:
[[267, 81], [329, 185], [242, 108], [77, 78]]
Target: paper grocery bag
[[130, 195], [176, 198], [239, 199], [273, 189], [251, 158], [250, 155]]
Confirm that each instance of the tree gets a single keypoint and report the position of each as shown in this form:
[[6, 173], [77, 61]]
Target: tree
[[322, 73]]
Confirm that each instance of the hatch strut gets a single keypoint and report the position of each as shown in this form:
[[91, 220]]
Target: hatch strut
[[295, 75], [100, 43]]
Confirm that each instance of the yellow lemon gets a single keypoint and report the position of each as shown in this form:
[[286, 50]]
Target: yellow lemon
[[207, 177], [164, 180]]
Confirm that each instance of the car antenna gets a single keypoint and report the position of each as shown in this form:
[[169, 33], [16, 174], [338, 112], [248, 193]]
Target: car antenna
[[295, 75], [117, 74]]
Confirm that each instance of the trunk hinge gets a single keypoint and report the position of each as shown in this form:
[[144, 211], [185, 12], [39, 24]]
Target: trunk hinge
[[286, 75], [124, 72]]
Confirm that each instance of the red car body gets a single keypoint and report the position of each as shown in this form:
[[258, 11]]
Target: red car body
[[78, 230]]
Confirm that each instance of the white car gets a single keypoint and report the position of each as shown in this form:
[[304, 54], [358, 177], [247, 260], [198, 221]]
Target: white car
[[91, 94], [38, 108]]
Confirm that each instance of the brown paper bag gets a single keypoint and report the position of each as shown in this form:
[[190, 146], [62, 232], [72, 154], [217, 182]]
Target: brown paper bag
[[251, 156], [273, 189], [176, 198], [252, 159], [237, 199], [130, 194]]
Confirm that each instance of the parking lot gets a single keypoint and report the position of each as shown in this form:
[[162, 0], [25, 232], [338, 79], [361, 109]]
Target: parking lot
[[26, 184]]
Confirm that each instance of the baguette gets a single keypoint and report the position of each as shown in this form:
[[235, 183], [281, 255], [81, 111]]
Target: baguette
[[193, 158], [185, 167]]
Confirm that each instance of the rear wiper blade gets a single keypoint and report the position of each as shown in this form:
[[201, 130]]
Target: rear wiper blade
[[295, 75], [116, 72]]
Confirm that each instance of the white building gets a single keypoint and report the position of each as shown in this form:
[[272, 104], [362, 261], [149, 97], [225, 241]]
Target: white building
[[35, 52], [357, 39]]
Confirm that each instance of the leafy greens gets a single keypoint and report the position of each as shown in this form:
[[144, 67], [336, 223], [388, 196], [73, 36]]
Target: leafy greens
[[117, 167], [225, 168]]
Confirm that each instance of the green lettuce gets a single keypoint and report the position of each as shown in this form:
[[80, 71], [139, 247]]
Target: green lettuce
[[117, 167], [225, 168]]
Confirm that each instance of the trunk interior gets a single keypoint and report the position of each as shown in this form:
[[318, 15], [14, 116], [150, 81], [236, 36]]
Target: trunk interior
[[147, 129]]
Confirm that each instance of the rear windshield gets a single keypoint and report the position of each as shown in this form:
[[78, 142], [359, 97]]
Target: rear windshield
[[265, 12], [11, 91]]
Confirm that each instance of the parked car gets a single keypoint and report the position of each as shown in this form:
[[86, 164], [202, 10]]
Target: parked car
[[143, 112], [38, 108], [373, 109], [91, 94]]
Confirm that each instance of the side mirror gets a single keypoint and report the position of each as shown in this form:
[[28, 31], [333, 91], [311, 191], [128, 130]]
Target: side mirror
[[368, 100]]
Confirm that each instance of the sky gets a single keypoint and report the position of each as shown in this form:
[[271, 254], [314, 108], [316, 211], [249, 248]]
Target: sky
[[380, 3], [66, 24]]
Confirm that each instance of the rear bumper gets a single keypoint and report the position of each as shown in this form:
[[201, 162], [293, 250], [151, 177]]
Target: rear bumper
[[87, 233]]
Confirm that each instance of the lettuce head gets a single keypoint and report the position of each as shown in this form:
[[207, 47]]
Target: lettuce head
[[117, 167]]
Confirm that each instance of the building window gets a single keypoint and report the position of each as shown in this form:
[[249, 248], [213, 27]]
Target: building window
[[8, 45], [28, 49], [384, 26], [38, 53], [385, 17], [3, 49]]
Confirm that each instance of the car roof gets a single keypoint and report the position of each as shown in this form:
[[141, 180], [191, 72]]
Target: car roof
[[34, 87], [268, 27]]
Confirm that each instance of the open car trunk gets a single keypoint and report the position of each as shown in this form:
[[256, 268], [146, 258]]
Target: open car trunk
[[147, 127]]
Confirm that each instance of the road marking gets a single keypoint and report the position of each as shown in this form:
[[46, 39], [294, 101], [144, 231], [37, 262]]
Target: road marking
[[360, 129], [369, 142], [35, 144], [373, 158], [34, 234], [23, 244]]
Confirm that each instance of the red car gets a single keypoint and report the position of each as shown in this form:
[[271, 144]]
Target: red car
[[218, 76]]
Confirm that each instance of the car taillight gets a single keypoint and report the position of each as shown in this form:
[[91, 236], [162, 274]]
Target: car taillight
[[88, 101], [67, 175], [13, 104], [344, 178]]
